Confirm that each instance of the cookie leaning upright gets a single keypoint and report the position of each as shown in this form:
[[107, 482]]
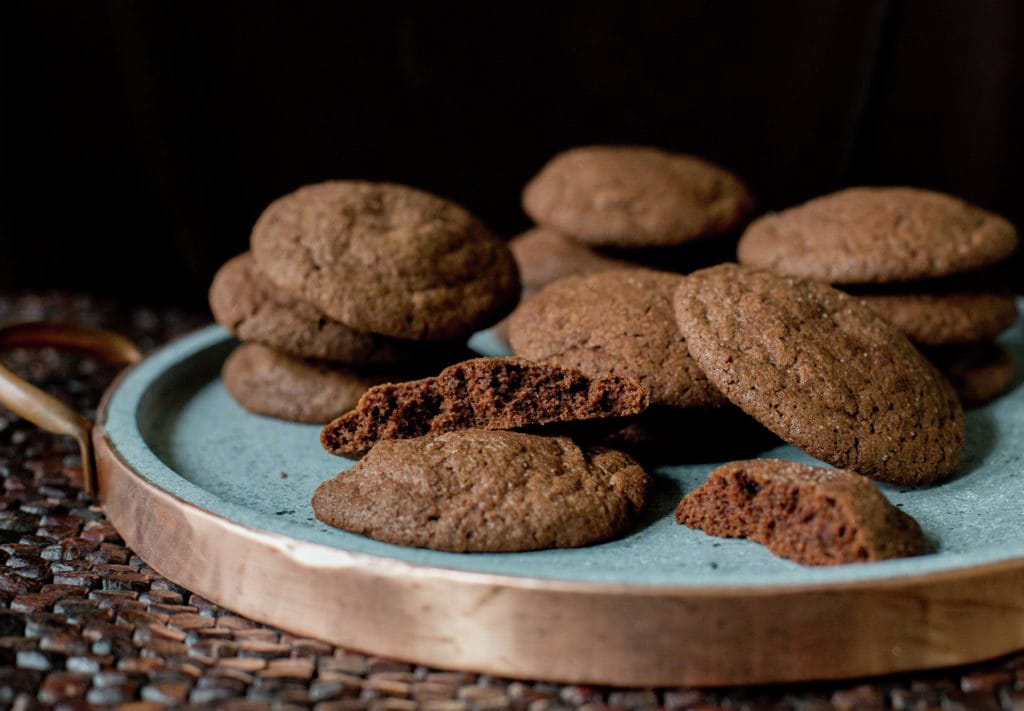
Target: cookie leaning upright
[[387, 259], [824, 372], [631, 196]]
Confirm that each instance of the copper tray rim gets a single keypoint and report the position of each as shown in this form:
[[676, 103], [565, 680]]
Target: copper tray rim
[[930, 600]]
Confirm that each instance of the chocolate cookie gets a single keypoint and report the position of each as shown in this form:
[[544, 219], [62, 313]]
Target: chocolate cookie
[[544, 256], [253, 310], [943, 319], [824, 372], [979, 372], [267, 382], [386, 259], [812, 515], [628, 196], [485, 491], [482, 393], [617, 322], [876, 235]]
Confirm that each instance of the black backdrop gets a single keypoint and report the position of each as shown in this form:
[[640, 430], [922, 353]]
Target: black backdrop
[[139, 141]]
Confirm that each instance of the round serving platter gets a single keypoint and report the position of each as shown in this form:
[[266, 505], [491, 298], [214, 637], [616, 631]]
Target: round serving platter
[[217, 499]]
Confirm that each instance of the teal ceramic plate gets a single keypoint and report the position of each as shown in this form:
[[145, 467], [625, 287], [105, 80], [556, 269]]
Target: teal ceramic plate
[[173, 422]]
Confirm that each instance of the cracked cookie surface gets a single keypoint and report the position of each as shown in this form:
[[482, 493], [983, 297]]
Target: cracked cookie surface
[[822, 371], [618, 322], [486, 491], [634, 196], [386, 259], [877, 235], [813, 515], [252, 309]]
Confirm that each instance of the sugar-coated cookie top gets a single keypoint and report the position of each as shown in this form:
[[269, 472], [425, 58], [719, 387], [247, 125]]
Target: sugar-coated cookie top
[[387, 258], [632, 196], [877, 235]]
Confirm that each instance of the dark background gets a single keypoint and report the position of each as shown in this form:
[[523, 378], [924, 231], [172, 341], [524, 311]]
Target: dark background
[[139, 141]]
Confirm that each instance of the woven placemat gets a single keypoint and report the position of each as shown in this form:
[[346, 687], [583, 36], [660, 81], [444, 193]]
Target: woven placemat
[[84, 622]]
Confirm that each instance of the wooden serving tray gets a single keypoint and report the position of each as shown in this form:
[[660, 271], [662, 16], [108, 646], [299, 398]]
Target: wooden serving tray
[[217, 499]]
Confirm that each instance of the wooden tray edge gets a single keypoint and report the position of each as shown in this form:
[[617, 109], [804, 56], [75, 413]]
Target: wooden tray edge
[[560, 631]]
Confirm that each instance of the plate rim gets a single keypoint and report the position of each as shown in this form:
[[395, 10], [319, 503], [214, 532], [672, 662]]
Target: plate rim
[[213, 335], [652, 634]]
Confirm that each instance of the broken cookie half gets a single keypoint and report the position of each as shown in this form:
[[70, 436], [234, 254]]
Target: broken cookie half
[[812, 515], [483, 393]]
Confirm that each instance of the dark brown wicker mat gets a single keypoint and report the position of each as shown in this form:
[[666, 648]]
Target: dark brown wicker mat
[[84, 622]]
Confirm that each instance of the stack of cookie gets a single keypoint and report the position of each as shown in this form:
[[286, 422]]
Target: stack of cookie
[[927, 262], [607, 207], [350, 284]]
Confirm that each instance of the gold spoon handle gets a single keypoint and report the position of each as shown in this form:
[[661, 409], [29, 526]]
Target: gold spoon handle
[[44, 410]]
